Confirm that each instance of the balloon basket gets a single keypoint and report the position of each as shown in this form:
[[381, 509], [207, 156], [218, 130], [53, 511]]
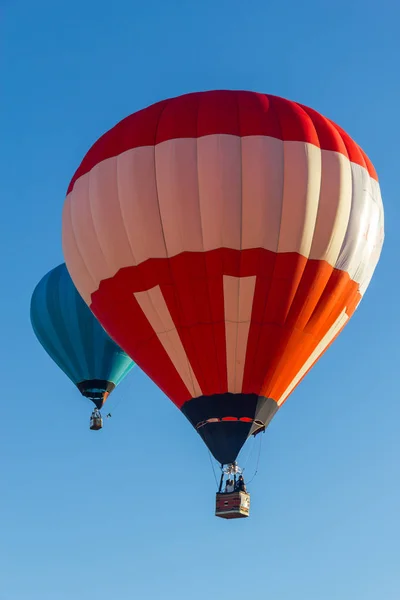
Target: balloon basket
[[235, 505], [96, 421]]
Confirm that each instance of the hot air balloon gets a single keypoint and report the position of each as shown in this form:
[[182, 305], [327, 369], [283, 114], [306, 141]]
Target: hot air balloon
[[224, 239], [75, 340]]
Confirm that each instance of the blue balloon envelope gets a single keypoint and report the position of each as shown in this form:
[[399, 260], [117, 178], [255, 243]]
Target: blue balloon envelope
[[74, 339]]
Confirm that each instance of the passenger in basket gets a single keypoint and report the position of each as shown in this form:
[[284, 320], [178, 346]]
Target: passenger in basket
[[240, 485], [229, 487]]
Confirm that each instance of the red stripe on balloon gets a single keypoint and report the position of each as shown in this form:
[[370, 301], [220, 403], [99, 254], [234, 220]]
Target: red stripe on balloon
[[296, 302], [239, 113]]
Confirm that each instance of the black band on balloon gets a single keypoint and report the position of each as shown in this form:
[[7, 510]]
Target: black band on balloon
[[225, 421], [95, 389]]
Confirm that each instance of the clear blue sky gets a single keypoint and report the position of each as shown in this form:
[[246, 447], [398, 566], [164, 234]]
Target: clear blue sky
[[128, 512]]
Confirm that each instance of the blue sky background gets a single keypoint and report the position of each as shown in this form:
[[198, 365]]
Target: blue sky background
[[128, 512]]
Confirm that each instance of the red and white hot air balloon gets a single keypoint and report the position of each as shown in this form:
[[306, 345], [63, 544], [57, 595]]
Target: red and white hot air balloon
[[224, 239]]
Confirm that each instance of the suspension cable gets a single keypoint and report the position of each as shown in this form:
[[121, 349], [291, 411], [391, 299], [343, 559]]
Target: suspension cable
[[258, 461], [212, 464], [116, 400], [249, 455]]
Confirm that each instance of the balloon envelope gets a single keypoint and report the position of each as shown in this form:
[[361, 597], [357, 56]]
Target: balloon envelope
[[74, 339], [224, 239]]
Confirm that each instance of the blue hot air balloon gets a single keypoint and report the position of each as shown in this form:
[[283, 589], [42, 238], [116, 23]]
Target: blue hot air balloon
[[75, 340]]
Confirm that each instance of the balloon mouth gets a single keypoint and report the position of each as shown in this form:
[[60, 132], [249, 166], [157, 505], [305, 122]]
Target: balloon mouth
[[97, 390], [225, 421]]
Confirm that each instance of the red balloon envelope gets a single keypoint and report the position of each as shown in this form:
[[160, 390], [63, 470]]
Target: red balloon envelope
[[224, 239]]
